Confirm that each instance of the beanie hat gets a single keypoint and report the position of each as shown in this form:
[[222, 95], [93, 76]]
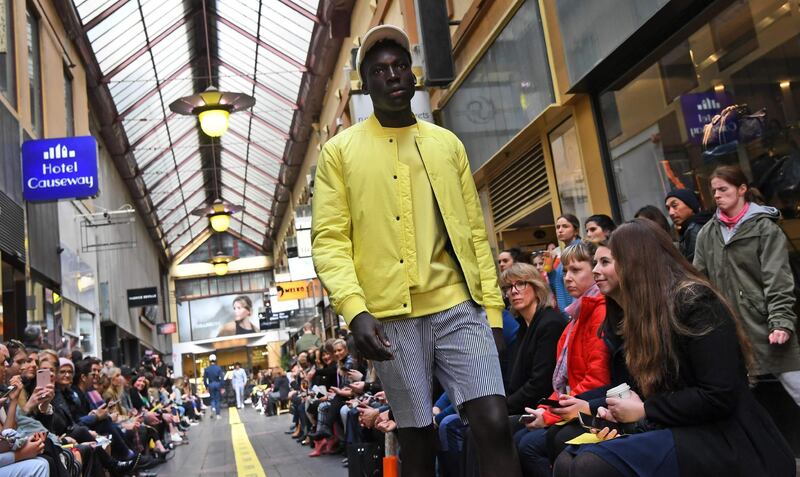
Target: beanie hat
[[66, 362], [687, 197]]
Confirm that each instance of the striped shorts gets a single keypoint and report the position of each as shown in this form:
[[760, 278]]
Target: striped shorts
[[456, 345]]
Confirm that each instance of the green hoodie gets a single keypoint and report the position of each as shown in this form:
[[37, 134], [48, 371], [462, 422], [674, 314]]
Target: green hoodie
[[750, 266]]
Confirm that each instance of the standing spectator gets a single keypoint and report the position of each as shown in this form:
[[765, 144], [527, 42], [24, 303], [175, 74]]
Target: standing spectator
[[568, 231], [238, 381], [744, 254], [684, 210], [510, 256], [308, 340], [599, 227], [653, 213], [214, 378], [32, 338]]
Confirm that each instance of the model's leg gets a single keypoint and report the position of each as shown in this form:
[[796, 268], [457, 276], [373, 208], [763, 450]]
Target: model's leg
[[488, 420], [417, 451]]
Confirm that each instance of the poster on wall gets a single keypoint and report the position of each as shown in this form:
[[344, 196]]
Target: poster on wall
[[219, 316]]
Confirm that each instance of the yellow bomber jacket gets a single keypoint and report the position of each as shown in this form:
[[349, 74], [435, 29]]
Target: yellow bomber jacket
[[363, 237]]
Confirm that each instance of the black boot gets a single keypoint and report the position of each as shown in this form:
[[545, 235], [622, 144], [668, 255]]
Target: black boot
[[114, 466]]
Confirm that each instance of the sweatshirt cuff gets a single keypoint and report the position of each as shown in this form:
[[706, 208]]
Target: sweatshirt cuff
[[351, 307], [495, 317]]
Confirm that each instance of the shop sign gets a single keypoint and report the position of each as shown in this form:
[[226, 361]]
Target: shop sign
[[166, 328], [60, 168], [698, 109], [142, 297], [292, 290]]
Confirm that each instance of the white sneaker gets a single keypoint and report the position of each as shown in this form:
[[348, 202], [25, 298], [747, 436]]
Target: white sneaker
[[176, 437], [219, 417]]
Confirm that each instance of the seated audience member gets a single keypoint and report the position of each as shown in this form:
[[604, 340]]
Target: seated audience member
[[531, 371], [607, 281], [581, 357], [688, 354]]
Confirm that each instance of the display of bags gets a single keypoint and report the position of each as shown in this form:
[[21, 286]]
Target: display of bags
[[734, 123]]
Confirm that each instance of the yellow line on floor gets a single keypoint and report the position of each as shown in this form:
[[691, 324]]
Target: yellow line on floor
[[247, 463]]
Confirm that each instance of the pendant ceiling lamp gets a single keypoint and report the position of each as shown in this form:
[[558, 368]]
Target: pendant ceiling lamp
[[218, 213], [220, 262], [212, 107]]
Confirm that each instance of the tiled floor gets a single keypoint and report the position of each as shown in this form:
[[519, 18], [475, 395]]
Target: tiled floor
[[210, 452]]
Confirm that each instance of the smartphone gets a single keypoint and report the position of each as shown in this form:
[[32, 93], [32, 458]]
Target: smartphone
[[7, 391], [527, 418], [590, 422], [112, 403], [43, 377], [549, 402]]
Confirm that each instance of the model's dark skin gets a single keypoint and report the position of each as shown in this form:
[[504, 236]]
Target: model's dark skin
[[390, 83]]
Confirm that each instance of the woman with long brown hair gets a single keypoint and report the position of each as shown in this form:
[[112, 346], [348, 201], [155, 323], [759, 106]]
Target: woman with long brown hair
[[688, 355]]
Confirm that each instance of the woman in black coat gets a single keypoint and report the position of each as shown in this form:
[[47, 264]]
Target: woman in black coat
[[688, 355], [531, 371]]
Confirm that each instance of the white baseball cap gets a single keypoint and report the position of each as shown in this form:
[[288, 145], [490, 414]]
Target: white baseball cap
[[213, 357], [380, 33]]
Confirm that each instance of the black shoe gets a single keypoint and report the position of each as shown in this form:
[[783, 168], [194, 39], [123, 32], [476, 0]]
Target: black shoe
[[117, 467]]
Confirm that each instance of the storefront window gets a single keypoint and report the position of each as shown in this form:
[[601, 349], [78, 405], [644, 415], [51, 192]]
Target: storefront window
[[508, 88], [570, 178], [746, 59], [591, 29], [7, 65]]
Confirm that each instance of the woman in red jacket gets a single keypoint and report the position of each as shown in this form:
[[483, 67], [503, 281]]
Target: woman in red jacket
[[582, 360]]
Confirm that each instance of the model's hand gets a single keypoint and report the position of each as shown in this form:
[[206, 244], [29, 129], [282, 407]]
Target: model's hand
[[499, 341], [369, 337], [779, 337]]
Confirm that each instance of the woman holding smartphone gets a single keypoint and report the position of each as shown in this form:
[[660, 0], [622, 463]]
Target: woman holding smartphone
[[688, 354]]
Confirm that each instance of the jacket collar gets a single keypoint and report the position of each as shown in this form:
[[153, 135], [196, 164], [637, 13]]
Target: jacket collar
[[373, 126]]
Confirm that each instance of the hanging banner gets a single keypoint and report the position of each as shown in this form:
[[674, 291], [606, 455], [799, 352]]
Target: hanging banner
[[60, 168]]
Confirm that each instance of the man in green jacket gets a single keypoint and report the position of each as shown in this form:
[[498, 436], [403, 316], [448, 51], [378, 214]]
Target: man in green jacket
[[400, 244]]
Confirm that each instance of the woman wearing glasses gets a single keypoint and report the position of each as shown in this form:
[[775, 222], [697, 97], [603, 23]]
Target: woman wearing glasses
[[581, 359], [531, 372]]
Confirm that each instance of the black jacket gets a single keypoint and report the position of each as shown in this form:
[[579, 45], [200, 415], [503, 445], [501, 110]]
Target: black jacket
[[719, 427], [531, 373], [281, 385], [325, 376], [688, 233]]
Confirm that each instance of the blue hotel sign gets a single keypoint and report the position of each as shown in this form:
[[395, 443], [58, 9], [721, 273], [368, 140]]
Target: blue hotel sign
[[60, 168]]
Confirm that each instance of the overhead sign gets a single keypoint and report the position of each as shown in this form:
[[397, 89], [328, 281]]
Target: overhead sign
[[292, 290], [142, 297], [166, 328], [698, 109], [61, 168]]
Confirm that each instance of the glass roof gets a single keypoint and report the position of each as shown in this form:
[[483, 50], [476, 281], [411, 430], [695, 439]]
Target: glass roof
[[151, 53]]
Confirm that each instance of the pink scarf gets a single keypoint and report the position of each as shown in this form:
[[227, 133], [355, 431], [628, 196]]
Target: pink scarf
[[730, 222]]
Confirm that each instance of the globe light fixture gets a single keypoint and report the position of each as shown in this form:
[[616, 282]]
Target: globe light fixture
[[219, 214], [220, 262], [214, 122], [213, 108]]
